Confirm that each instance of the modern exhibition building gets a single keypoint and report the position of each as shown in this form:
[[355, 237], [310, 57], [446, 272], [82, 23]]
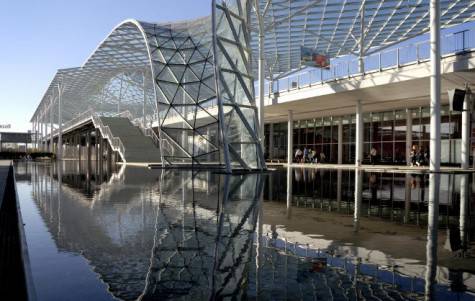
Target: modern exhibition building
[[339, 78]]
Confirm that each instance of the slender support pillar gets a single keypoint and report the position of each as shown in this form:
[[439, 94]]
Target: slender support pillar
[[362, 37], [435, 82], [271, 141], [261, 79], [100, 151], [340, 141], [59, 152], [359, 135], [51, 114], [78, 145], [88, 147], [465, 147], [408, 135], [290, 137]]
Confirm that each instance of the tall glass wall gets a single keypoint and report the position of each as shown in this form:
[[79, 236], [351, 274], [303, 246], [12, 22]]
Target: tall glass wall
[[385, 131]]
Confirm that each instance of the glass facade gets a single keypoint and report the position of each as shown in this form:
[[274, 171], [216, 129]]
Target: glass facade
[[385, 131]]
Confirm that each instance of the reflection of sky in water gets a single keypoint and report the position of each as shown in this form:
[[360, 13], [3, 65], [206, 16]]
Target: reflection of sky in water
[[175, 234]]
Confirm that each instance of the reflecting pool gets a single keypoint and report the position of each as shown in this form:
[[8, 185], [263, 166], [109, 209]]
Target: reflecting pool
[[116, 232]]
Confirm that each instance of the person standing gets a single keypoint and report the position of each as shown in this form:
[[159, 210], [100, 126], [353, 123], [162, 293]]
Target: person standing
[[372, 155]]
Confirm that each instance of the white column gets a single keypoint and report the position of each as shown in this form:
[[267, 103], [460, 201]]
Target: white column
[[59, 151], [51, 114], [359, 135], [260, 72], [408, 136], [465, 147], [271, 141], [362, 36], [340, 140], [290, 138], [435, 86]]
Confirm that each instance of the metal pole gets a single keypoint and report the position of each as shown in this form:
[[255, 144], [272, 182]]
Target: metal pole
[[51, 106], [362, 36], [465, 148], [290, 134], [261, 73], [359, 135], [59, 152], [435, 86], [408, 135]]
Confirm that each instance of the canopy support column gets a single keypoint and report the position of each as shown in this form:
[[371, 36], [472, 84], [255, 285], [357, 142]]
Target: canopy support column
[[359, 135], [435, 86], [290, 136], [261, 78], [465, 147], [59, 151]]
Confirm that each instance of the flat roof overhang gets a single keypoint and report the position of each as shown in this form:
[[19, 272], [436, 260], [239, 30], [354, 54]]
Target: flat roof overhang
[[397, 88]]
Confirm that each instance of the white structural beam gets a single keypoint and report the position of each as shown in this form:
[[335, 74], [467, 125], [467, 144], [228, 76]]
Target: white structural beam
[[435, 83]]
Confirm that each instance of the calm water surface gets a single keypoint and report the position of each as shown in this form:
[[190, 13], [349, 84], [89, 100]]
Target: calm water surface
[[131, 233]]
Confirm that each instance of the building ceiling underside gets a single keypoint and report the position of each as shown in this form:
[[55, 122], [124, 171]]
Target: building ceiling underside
[[122, 64]]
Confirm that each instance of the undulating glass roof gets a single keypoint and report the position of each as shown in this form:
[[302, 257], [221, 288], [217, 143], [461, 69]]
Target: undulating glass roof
[[118, 74]]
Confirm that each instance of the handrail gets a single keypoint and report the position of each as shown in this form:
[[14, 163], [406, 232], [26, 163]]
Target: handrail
[[115, 142], [414, 53]]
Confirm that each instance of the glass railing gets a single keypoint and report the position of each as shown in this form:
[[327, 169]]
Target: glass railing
[[453, 43]]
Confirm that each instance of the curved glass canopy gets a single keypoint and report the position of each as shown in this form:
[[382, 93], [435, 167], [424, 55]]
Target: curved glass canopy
[[193, 81]]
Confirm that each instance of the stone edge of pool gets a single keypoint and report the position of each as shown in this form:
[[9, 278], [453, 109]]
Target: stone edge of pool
[[16, 280]]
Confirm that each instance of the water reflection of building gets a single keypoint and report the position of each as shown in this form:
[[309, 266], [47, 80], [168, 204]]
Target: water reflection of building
[[392, 210], [170, 235]]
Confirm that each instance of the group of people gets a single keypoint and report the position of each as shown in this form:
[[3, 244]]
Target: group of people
[[309, 156], [419, 155]]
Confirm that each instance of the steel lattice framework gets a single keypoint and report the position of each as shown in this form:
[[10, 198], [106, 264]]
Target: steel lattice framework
[[194, 81], [335, 27]]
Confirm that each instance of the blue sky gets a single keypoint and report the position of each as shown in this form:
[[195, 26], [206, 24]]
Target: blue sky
[[40, 36]]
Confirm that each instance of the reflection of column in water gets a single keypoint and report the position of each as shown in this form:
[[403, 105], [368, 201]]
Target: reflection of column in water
[[358, 198], [432, 234], [338, 189], [271, 187], [60, 183], [464, 199], [289, 191], [51, 167], [259, 249], [407, 199]]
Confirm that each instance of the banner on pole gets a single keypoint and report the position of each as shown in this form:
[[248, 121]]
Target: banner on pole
[[309, 57]]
